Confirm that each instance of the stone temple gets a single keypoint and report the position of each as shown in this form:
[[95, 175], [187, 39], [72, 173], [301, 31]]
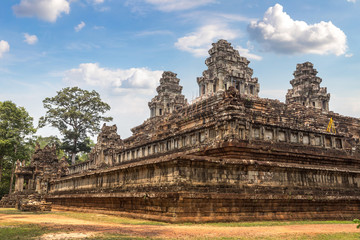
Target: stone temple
[[228, 156]]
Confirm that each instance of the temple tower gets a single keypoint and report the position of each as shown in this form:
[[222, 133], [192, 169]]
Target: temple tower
[[306, 88], [227, 68], [169, 96]]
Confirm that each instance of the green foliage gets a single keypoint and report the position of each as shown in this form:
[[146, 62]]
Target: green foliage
[[16, 128], [76, 113], [357, 221], [84, 156]]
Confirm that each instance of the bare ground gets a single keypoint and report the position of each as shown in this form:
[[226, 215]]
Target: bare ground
[[77, 229]]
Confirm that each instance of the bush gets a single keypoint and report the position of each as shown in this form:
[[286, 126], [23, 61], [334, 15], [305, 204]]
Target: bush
[[357, 221]]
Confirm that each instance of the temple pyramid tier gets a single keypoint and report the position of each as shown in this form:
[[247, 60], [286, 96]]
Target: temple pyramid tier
[[306, 88], [169, 96], [228, 156], [227, 68]]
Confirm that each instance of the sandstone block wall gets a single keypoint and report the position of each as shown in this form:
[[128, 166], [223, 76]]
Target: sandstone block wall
[[198, 188]]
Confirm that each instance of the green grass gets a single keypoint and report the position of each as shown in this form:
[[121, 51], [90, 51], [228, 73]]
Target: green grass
[[94, 217], [22, 231], [268, 223], [122, 220], [15, 211]]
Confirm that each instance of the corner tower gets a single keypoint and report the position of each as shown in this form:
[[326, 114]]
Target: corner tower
[[306, 88], [169, 96], [227, 68]]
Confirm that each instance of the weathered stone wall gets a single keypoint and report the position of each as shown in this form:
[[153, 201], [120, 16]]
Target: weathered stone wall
[[261, 186], [227, 116]]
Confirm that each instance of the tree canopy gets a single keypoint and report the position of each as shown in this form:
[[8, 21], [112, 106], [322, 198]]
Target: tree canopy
[[16, 127], [76, 113]]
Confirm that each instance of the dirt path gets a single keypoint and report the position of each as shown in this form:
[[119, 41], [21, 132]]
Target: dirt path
[[88, 228]]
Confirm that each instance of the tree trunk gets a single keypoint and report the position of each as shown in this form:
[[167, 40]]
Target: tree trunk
[[73, 155], [12, 178], [13, 170]]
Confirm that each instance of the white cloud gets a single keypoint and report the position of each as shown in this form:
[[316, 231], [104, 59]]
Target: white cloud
[[246, 53], [346, 104], [91, 74], [198, 43], [349, 55], [47, 10], [30, 39], [178, 5], [352, 1], [79, 26], [4, 47], [279, 33]]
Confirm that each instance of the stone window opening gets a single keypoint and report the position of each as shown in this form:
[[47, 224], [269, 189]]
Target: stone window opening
[[313, 103], [338, 143], [328, 142], [256, 133], [251, 89], [225, 86], [294, 137], [201, 139], [214, 88], [324, 104], [160, 111]]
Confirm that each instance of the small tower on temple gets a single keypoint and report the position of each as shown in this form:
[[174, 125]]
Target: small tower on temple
[[169, 96], [306, 88], [227, 68]]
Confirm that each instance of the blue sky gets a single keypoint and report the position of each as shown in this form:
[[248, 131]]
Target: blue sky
[[120, 48]]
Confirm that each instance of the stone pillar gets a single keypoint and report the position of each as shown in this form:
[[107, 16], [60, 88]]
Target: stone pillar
[[30, 184], [19, 183], [38, 186]]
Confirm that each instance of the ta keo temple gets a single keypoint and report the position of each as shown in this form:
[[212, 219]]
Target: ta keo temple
[[228, 156]]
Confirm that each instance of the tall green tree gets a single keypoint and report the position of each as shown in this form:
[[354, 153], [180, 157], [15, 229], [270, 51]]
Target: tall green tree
[[76, 113], [16, 128]]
